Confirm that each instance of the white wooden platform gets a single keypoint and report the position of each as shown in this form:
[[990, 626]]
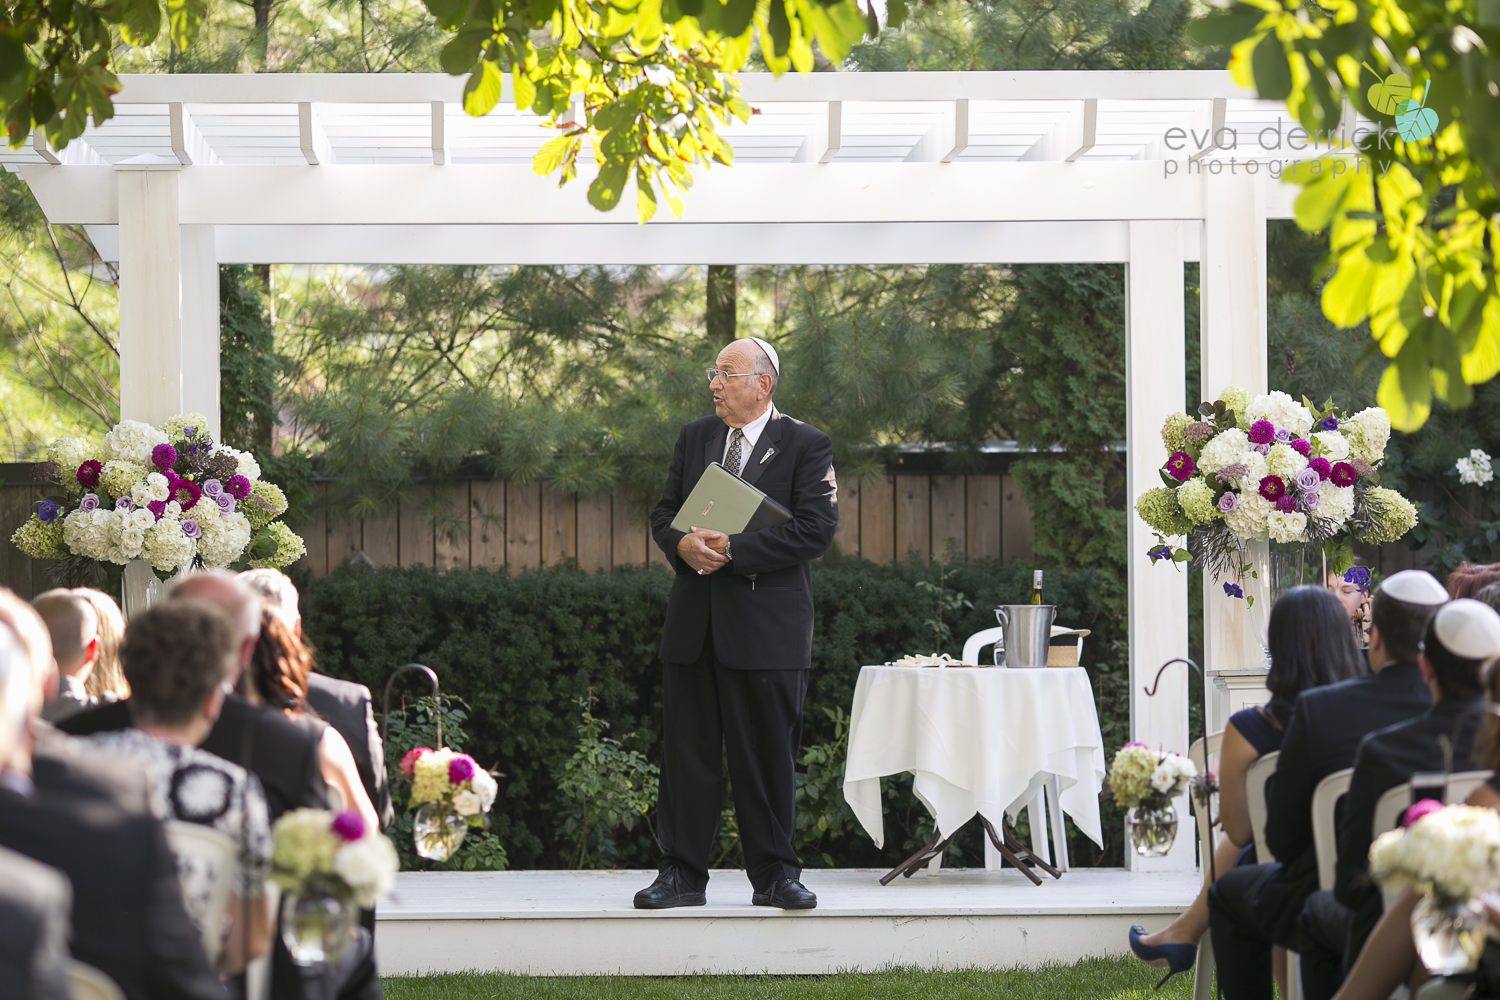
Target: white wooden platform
[[582, 922]]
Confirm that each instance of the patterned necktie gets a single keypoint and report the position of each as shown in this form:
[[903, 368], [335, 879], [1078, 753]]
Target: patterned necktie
[[732, 460]]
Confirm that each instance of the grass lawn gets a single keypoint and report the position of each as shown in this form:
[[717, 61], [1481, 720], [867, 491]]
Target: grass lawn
[[1123, 978]]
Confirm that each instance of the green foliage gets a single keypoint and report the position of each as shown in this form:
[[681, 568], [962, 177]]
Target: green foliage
[[1411, 232], [610, 788], [823, 814], [944, 602], [515, 648], [415, 724], [247, 359]]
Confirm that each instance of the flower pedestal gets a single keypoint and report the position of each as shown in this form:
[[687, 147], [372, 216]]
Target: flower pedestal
[[1448, 935], [1151, 830], [437, 831], [139, 587], [316, 927]]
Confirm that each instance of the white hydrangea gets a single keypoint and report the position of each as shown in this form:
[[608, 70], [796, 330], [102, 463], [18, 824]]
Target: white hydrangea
[[1285, 461], [119, 478], [1256, 469], [1454, 852], [133, 441], [1368, 431], [1172, 774], [1474, 470], [1335, 503], [166, 546], [368, 866], [1248, 520], [1332, 445], [86, 533], [1282, 410], [1225, 448], [1287, 527], [247, 466], [224, 538]]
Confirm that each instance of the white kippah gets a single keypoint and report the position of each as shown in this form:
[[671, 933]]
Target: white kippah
[[770, 353], [1468, 628], [1414, 586]]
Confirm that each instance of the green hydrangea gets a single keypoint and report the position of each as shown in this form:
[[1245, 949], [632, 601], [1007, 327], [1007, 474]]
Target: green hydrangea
[[303, 844], [1130, 774], [1237, 398], [1197, 500], [1159, 508], [265, 504], [1391, 515], [174, 426], [1173, 432], [41, 539], [289, 547], [118, 477]]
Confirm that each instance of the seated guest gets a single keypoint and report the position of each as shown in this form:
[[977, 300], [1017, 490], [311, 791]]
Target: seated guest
[[280, 753], [34, 899], [1459, 640], [106, 681], [1309, 648], [128, 919], [1467, 579], [344, 705], [1255, 907], [178, 658], [74, 628]]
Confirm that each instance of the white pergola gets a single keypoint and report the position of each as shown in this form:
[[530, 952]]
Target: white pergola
[[1149, 169]]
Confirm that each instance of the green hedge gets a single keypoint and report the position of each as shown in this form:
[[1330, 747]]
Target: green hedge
[[522, 650]]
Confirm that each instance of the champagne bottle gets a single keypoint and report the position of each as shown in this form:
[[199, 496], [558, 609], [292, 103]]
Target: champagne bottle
[[1036, 587]]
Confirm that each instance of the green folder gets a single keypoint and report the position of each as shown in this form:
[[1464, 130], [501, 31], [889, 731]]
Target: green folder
[[722, 501]]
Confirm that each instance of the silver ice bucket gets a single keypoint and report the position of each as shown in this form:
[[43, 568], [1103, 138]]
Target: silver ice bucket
[[1026, 631]]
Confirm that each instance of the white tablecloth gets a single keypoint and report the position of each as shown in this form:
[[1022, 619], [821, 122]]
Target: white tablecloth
[[978, 740]]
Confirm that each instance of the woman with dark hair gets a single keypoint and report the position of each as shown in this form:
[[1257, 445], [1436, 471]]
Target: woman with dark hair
[[277, 676], [1311, 644]]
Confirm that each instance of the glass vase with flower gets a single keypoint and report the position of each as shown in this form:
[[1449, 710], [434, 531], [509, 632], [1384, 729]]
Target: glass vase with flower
[[1145, 782]]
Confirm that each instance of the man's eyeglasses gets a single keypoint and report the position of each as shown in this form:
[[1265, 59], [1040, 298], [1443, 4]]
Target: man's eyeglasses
[[714, 373]]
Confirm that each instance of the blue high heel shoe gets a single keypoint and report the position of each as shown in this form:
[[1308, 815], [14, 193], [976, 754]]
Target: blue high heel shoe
[[1179, 957]]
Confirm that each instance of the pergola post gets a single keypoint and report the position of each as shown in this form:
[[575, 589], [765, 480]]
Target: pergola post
[[169, 302], [1233, 343], [1155, 384]]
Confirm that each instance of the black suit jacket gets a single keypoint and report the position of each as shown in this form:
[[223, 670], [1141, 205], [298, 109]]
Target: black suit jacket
[[760, 605], [346, 706], [127, 915], [1323, 735], [34, 904], [281, 753], [1386, 758]]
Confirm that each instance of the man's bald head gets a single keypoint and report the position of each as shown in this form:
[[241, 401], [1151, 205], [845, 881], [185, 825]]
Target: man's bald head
[[73, 625], [225, 591]]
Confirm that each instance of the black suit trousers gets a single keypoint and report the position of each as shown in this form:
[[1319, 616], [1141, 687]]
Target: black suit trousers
[[752, 718], [1242, 939]]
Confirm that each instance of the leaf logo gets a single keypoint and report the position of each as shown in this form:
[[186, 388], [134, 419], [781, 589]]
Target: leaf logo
[[1389, 94], [1414, 121]]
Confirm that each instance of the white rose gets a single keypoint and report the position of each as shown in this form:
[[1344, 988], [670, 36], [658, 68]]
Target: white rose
[[466, 803], [486, 788], [1284, 527], [158, 486]]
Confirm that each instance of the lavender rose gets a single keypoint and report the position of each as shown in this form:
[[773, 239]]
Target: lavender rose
[[89, 501], [190, 529], [1308, 480], [1229, 501], [225, 502], [212, 488], [124, 503]]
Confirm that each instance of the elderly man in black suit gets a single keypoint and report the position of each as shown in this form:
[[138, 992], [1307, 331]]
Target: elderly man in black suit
[[127, 916], [1460, 639], [34, 898], [737, 643], [1255, 906]]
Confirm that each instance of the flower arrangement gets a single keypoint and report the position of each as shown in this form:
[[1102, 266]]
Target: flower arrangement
[[316, 852], [1270, 468], [1450, 852], [450, 779], [169, 495], [1140, 776]]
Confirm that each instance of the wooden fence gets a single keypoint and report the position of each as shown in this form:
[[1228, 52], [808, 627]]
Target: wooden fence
[[494, 524]]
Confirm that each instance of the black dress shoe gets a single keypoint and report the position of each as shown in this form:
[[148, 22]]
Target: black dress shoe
[[670, 889], [787, 893]]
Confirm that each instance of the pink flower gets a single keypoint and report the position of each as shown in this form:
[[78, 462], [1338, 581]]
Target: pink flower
[[88, 473], [1286, 504], [237, 487], [1180, 466], [1272, 488], [185, 493], [349, 825], [460, 769], [1418, 809], [1301, 446], [410, 758], [1262, 432], [1320, 466], [157, 507], [1343, 474], [163, 456]]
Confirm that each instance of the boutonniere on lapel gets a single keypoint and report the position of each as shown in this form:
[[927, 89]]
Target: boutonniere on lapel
[[767, 456]]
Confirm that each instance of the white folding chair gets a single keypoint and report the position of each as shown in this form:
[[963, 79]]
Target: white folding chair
[[207, 867], [1255, 800], [1044, 809], [258, 971], [1203, 752], [1325, 836], [87, 983]]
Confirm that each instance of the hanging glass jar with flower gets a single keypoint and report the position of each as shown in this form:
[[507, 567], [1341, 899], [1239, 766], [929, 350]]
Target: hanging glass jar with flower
[[451, 793], [1146, 782], [329, 867]]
